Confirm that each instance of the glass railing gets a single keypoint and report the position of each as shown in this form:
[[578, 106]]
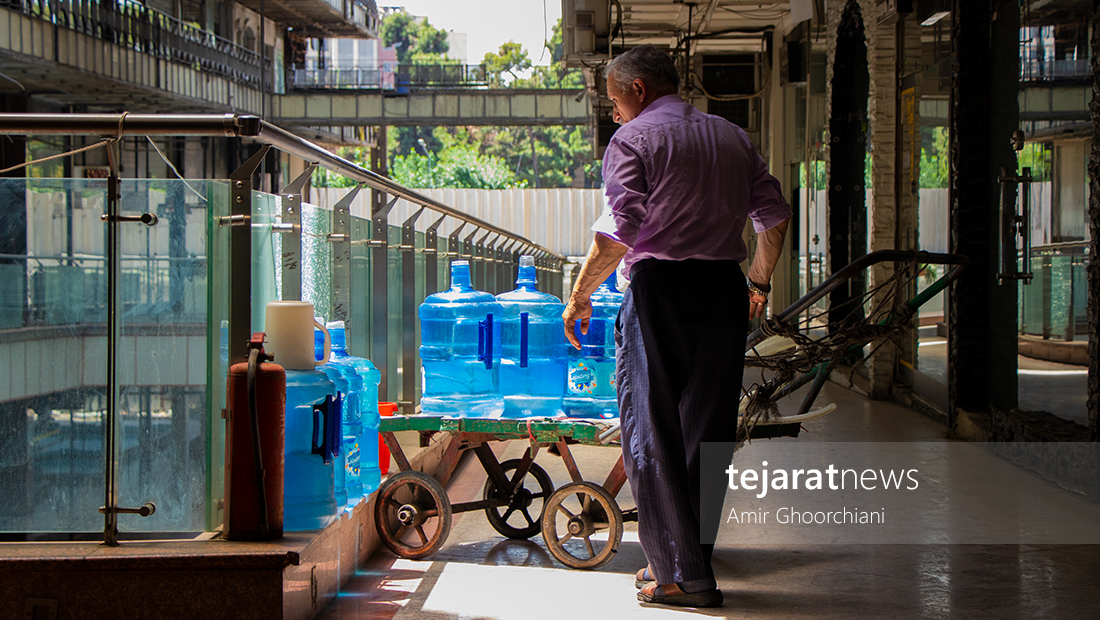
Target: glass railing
[[175, 298], [1054, 304]]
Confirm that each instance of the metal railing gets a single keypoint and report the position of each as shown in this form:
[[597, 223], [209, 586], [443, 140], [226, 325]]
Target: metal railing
[[134, 26], [1055, 302], [376, 274], [1050, 70], [391, 77]]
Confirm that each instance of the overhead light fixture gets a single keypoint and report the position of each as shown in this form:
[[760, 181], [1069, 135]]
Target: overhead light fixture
[[935, 17]]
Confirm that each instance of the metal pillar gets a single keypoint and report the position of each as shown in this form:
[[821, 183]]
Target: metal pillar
[[409, 306], [291, 257], [340, 238]]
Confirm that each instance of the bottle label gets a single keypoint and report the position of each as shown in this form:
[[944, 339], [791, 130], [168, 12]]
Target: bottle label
[[591, 378]]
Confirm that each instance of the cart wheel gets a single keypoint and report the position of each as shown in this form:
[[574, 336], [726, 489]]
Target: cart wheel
[[406, 502], [591, 525], [516, 520]]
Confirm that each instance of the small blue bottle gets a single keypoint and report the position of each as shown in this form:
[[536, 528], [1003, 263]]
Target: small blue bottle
[[532, 366], [460, 350], [590, 386], [312, 432]]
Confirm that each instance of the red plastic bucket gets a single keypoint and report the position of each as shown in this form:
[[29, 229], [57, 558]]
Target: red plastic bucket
[[385, 410]]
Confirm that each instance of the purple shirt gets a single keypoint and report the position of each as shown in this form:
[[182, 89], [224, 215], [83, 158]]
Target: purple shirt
[[680, 185]]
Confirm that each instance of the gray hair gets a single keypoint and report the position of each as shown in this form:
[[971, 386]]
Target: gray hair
[[649, 64]]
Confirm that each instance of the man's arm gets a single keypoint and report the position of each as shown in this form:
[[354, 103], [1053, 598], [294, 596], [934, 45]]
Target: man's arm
[[603, 257], [769, 247]]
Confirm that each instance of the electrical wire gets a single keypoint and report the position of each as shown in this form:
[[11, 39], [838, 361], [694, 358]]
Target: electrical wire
[[173, 167]]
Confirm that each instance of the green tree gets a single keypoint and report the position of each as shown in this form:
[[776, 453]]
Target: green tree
[[459, 164], [414, 39], [934, 162], [510, 58]]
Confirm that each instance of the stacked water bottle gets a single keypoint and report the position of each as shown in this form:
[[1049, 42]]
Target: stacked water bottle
[[507, 356], [331, 434]]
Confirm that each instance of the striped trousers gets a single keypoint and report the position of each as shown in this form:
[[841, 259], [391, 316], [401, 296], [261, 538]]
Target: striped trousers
[[681, 334]]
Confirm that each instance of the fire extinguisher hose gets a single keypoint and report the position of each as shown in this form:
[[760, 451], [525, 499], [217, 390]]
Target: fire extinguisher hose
[[258, 466]]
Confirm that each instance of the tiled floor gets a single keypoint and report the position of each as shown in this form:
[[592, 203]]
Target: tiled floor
[[480, 574]]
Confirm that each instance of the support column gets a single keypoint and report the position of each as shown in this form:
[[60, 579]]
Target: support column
[[984, 113], [847, 221], [1093, 309]]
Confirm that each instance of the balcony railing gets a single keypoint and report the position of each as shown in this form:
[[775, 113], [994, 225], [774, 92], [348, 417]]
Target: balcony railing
[[123, 332], [1052, 70], [392, 77], [134, 26]]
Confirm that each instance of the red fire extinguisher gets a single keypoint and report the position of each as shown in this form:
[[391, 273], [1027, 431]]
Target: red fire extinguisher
[[254, 446]]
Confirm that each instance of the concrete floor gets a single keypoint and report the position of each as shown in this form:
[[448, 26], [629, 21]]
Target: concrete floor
[[480, 574]]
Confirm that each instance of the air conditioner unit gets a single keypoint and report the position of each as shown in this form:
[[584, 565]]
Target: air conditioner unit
[[586, 35]]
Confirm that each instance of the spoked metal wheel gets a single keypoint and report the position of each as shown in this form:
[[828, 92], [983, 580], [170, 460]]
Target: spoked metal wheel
[[520, 516], [412, 514], [582, 525]]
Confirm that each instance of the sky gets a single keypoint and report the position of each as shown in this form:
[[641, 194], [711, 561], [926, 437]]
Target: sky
[[488, 23]]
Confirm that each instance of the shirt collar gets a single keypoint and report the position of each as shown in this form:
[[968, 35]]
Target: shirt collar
[[661, 102]]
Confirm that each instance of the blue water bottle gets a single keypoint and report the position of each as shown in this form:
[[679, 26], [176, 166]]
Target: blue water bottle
[[361, 415], [590, 384], [343, 387], [352, 414], [312, 437], [460, 350], [532, 365]]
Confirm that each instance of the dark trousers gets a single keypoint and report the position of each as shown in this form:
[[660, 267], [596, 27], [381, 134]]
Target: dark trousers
[[681, 335]]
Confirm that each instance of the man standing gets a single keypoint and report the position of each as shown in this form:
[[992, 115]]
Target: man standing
[[680, 185]]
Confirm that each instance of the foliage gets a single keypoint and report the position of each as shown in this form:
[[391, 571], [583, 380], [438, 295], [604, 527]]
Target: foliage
[[323, 177], [1036, 156], [477, 154], [934, 162], [414, 39], [510, 58], [556, 75], [458, 164]]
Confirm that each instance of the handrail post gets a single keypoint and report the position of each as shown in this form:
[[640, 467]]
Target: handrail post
[[380, 272], [341, 255], [409, 368], [290, 262]]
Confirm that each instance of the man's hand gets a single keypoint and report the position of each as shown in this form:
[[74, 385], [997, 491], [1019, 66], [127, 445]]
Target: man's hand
[[579, 308], [757, 305]]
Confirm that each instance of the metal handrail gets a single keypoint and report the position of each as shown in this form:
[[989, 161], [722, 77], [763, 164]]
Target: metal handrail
[[241, 126]]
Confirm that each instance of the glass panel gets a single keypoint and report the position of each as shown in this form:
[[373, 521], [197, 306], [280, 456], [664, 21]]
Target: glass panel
[[359, 313], [52, 354], [217, 268], [317, 259], [162, 364], [393, 326], [266, 248]]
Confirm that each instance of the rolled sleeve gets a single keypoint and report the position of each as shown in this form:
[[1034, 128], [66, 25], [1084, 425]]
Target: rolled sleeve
[[768, 207], [625, 175]]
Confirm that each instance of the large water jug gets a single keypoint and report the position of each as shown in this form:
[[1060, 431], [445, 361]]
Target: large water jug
[[312, 436], [340, 378], [590, 386], [361, 418], [460, 350], [532, 365]]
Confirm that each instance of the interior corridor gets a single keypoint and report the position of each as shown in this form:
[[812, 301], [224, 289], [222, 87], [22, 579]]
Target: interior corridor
[[480, 574]]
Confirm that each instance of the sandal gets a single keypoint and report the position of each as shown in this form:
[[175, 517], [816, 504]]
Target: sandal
[[672, 595], [643, 577]]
